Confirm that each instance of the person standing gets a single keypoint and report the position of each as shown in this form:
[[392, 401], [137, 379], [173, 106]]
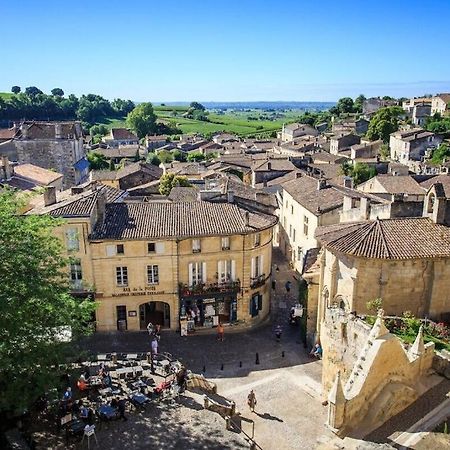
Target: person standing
[[274, 284], [288, 286], [278, 331], [251, 401], [220, 332]]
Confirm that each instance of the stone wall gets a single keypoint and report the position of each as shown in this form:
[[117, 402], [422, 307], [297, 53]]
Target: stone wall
[[374, 375]]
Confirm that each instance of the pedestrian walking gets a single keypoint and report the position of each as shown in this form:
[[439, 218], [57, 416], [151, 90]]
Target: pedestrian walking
[[220, 332], [278, 331], [274, 284], [251, 401], [288, 286], [154, 346]]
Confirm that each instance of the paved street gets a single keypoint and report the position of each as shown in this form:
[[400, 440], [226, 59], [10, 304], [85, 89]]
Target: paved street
[[286, 381]]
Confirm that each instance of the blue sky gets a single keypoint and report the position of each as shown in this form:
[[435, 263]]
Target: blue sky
[[169, 50]]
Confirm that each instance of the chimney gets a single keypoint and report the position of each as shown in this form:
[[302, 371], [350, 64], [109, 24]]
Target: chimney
[[230, 197], [269, 165], [321, 184], [101, 206], [76, 190], [6, 167], [348, 182], [247, 218], [50, 196], [58, 131], [298, 175]]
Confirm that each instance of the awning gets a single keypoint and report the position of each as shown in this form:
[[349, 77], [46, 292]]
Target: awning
[[81, 165]]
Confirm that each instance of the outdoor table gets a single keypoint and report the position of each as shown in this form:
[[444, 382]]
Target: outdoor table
[[139, 383], [107, 412], [76, 426], [95, 380], [139, 399]]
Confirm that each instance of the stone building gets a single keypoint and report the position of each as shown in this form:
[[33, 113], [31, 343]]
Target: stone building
[[405, 262], [120, 136], [343, 142], [55, 146], [412, 144], [158, 261], [295, 130], [440, 104]]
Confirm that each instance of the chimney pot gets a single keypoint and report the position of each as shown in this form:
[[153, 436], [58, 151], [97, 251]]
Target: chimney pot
[[50, 196]]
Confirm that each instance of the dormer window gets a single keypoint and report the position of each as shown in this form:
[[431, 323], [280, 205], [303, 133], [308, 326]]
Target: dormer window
[[196, 246], [226, 243]]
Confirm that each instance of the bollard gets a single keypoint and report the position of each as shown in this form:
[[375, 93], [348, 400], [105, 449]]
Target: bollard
[[204, 369], [221, 367], [257, 358], [282, 354], [114, 358], [240, 363]]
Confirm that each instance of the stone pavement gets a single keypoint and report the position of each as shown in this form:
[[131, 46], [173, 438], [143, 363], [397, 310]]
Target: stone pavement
[[287, 381]]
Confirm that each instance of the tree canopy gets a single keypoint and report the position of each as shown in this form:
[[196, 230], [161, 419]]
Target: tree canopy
[[33, 104], [142, 120], [440, 154], [359, 172], [195, 157], [57, 92], [438, 124], [196, 105], [34, 305], [97, 161], [170, 180], [383, 123]]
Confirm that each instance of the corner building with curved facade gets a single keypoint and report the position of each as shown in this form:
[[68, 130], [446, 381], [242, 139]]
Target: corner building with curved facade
[[159, 261]]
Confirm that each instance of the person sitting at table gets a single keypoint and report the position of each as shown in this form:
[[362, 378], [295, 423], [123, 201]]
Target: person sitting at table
[[122, 407], [102, 370], [68, 394], [84, 412], [106, 380], [81, 383]]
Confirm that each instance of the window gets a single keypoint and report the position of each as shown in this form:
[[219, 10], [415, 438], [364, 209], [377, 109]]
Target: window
[[196, 246], [151, 247], [226, 243], [122, 276], [292, 209], [299, 253], [256, 266], [152, 274], [290, 230], [119, 249], [197, 273], [257, 240], [293, 235], [226, 271], [76, 275], [73, 242], [284, 222], [305, 225]]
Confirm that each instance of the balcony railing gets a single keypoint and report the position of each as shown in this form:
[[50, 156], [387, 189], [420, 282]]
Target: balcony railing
[[80, 286], [258, 281], [209, 288]]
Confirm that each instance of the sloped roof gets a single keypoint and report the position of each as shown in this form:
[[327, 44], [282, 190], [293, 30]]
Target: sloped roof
[[184, 194], [406, 238], [443, 179], [122, 134], [35, 173], [7, 133], [78, 205], [170, 220], [399, 184]]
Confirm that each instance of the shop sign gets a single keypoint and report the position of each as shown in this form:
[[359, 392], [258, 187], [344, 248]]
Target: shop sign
[[131, 292]]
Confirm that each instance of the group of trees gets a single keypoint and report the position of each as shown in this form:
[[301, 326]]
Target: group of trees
[[33, 104], [359, 172], [35, 306], [169, 181], [384, 122], [438, 124]]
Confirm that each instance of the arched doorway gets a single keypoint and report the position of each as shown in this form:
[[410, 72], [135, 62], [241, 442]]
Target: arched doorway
[[158, 313]]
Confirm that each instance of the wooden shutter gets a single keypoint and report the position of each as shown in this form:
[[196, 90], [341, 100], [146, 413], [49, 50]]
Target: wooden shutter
[[233, 270], [191, 281], [203, 272], [159, 247], [261, 265], [252, 268]]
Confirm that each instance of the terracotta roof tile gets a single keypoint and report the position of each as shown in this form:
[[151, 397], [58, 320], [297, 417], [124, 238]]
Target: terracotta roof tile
[[407, 238], [170, 220]]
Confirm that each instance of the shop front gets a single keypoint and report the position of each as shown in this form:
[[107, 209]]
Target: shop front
[[205, 307]]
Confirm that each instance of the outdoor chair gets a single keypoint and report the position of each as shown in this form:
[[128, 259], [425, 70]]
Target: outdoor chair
[[89, 431]]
